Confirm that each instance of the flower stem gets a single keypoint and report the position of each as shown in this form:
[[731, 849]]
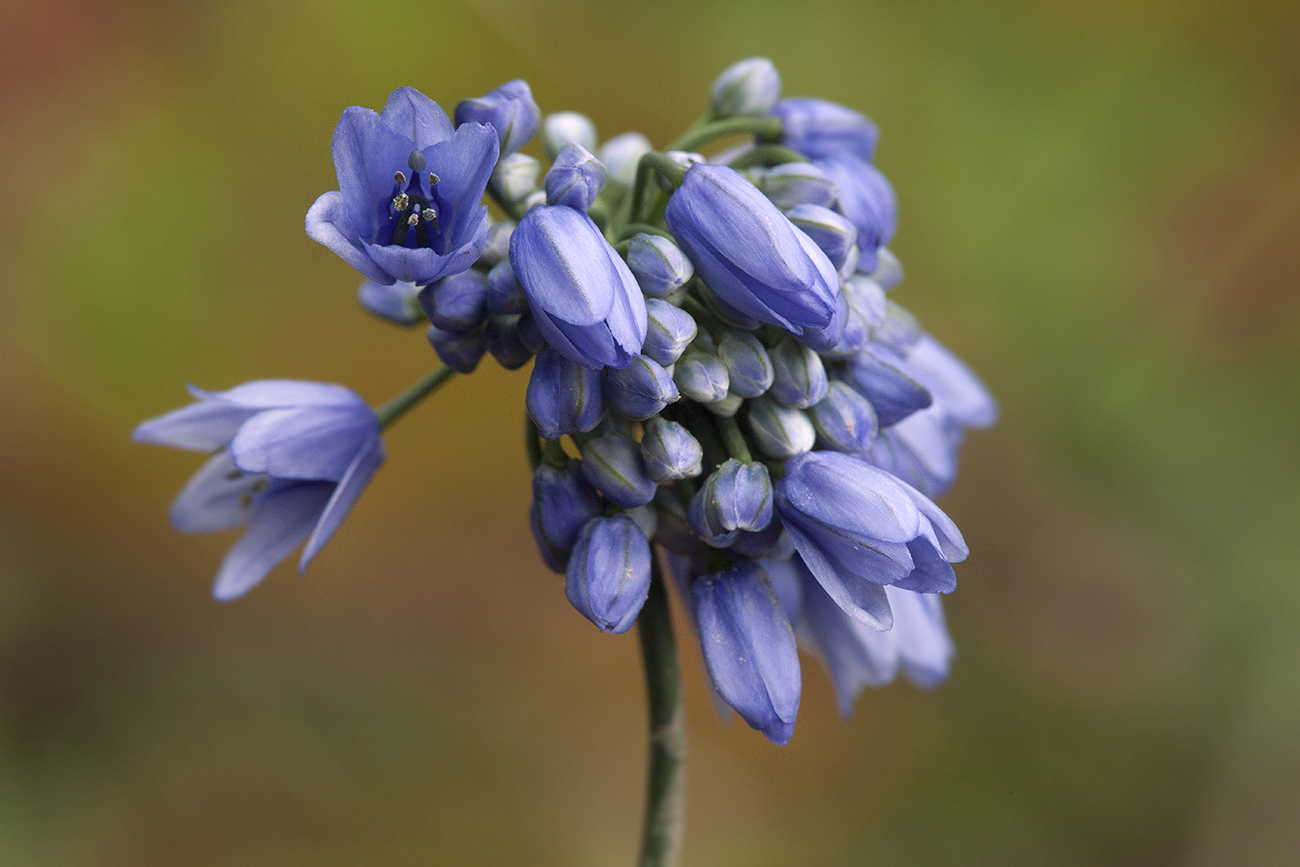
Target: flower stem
[[661, 838], [765, 127], [398, 406], [734, 440]]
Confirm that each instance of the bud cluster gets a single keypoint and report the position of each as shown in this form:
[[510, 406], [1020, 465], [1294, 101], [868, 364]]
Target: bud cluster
[[717, 366]]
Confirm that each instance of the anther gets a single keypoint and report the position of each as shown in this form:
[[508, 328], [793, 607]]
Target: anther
[[400, 201], [428, 215], [412, 220], [433, 179], [399, 178], [416, 161]]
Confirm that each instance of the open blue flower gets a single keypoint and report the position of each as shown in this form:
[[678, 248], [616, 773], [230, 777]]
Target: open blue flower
[[409, 202], [289, 459]]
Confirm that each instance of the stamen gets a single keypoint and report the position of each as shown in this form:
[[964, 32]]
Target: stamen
[[413, 220], [433, 179], [416, 161], [399, 178], [429, 214], [401, 201]]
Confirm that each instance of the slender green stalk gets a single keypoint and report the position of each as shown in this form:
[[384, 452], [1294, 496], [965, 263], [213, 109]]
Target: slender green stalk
[[734, 440], [767, 128], [767, 155], [398, 406], [665, 812]]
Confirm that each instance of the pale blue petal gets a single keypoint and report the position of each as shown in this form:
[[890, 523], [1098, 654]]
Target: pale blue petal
[[278, 393], [349, 488], [955, 388], [282, 518], [303, 442], [199, 427], [415, 116], [328, 224], [218, 497]]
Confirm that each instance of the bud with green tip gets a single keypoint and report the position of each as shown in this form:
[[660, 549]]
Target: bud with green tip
[[659, 265], [670, 451], [614, 467], [640, 390], [792, 184], [749, 87], [515, 176], [701, 377], [779, 431], [668, 332]]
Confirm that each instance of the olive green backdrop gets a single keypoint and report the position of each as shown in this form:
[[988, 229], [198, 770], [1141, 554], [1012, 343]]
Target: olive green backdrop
[[1100, 205]]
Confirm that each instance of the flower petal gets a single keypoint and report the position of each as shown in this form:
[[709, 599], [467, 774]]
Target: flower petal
[[303, 442], [354, 481], [328, 224], [366, 155], [218, 497], [463, 165], [281, 519], [412, 114], [863, 600], [199, 427], [275, 393]]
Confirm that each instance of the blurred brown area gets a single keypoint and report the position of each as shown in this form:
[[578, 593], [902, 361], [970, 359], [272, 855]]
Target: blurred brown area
[[1099, 209]]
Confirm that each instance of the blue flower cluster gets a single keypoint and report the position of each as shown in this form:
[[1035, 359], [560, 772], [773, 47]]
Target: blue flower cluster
[[718, 369]]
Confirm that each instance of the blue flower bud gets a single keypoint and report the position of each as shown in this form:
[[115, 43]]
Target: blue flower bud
[[817, 128], [505, 343], [668, 332], [899, 332], [459, 350], [830, 231], [749, 87], [791, 184], [567, 127], [853, 339], [878, 374], [504, 294], [563, 397], [575, 178], [498, 242], [799, 378], [867, 199], [397, 303], [562, 503], [779, 431], [749, 370], [701, 377], [659, 265], [889, 271], [866, 297], [771, 542], [670, 451], [735, 496], [608, 577], [456, 303], [515, 176], [640, 390], [822, 339], [756, 264], [584, 298], [621, 154], [509, 109], [749, 648], [614, 467], [844, 419]]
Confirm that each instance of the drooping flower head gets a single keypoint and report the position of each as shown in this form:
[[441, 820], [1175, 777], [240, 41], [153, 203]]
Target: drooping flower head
[[408, 206], [289, 459]]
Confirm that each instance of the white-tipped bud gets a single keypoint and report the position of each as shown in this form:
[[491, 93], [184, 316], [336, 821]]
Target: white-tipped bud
[[567, 127], [516, 176], [749, 87], [621, 155]]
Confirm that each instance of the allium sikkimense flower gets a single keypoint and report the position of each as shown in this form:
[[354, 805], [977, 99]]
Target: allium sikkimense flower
[[288, 459], [409, 202]]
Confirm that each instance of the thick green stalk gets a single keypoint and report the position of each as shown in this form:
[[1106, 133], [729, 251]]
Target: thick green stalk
[[665, 812]]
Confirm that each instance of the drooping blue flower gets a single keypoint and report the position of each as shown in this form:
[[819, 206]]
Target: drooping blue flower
[[563, 502], [563, 397], [288, 459], [817, 128], [749, 87], [509, 109], [757, 265], [867, 199], [408, 206], [608, 577], [584, 298], [749, 648], [575, 178]]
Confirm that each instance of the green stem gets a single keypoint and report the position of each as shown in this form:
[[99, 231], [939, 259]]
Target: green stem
[[734, 440], [661, 838], [510, 209], [398, 406], [766, 128], [767, 155]]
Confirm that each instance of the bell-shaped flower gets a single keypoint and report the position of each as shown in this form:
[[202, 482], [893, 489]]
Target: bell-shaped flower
[[779, 431], [670, 451], [749, 87], [844, 419], [749, 370], [817, 128], [458, 302], [749, 647], [608, 577], [668, 332], [856, 655], [792, 184], [701, 376], [867, 199], [563, 502], [509, 109], [735, 496], [288, 459], [659, 266], [798, 375], [408, 206], [563, 397], [575, 178], [567, 127], [883, 378], [640, 390], [615, 467], [757, 265], [584, 298]]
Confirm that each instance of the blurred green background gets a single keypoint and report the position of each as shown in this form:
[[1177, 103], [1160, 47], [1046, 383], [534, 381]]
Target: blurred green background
[[1100, 208]]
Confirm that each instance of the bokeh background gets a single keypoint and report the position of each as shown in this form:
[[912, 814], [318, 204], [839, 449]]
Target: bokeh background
[[1100, 208]]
